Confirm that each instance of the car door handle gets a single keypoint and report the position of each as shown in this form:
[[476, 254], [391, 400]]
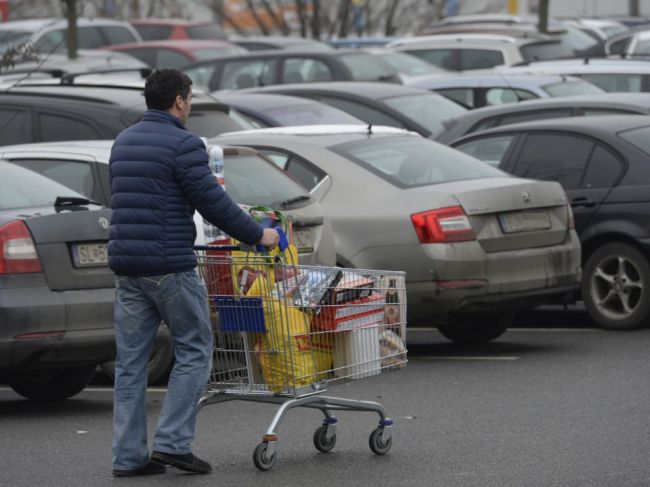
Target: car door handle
[[583, 201]]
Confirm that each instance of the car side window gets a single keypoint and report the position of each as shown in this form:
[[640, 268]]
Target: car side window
[[615, 81], [444, 58], [76, 175], [15, 127], [480, 59], [55, 128], [604, 168], [533, 115], [554, 157], [90, 38], [364, 112], [490, 150], [145, 55], [463, 96], [116, 34], [247, 74], [605, 111], [171, 59], [302, 171], [201, 75], [619, 47], [501, 96], [299, 70]]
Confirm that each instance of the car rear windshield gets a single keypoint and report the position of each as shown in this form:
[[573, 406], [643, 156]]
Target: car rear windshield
[[568, 88], [408, 162], [310, 114], [427, 109], [253, 180], [411, 65], [638, 137], [368, 67], [154, 32], [209, 123], [544, 51], [205, 31], [23, 188]]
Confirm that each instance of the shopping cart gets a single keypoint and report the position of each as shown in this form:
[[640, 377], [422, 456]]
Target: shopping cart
[[284, 332]]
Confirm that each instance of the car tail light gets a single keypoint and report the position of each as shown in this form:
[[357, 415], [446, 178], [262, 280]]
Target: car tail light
[[443, 225], [571, 222], [17, 251]]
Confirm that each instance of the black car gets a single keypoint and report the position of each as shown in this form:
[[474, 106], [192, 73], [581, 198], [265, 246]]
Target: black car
[[399, 106], [603, 163], [269, 110], [50, 112], [287, 66], [531, 110], [56, 304]]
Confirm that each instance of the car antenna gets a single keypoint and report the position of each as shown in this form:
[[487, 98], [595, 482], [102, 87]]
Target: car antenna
[[505, 80], [369, 129]]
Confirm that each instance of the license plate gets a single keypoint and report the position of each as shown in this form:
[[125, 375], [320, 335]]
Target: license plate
[[90, 255], [525, 221], [303, 241]]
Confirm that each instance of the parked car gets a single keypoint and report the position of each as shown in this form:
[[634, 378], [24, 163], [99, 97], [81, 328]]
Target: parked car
[[466, 52], [177, 53], [475, 243], [162, 29], [602, 163], [45, 112], [608, 74], [479, 90], [409, 67], [284, 67], [619, 44], [57, 290], [378, 103], [532, 110], [48, 35], [266, 43], [270, 110], [600, 29]]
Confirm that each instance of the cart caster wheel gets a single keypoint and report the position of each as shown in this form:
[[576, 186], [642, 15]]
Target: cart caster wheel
[[261, 459], [377, 445], [320, 440]]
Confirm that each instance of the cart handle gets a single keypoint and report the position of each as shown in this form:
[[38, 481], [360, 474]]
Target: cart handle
[[283, 244]]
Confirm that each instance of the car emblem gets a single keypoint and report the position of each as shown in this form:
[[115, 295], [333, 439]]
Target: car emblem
[[526, 196], [103, 223]]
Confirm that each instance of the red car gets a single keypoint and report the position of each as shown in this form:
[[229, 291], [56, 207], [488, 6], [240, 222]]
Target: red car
[[177, 53], [162, 29]]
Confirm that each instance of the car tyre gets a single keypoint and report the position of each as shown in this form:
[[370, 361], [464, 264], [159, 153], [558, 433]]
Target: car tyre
[[475, 330], [616, 287], [52, 384], [160, 363]]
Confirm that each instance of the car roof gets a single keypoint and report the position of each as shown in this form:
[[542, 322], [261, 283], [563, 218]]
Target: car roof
[[602, 124], [366, 89], [279, 40], [475, 80], [169, 21], [581, 66], [492, 39]]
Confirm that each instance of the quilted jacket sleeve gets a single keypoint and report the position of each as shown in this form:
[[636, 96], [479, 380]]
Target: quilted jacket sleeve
[[208, 197]]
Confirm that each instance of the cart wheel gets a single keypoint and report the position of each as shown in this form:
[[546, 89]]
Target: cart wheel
[[320, 439], [260, 458], [377, 445]]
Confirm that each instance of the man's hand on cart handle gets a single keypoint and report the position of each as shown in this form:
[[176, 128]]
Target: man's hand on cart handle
[[270, 238]]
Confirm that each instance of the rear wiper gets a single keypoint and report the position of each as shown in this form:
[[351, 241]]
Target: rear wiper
[[66, 201], [290, 201]]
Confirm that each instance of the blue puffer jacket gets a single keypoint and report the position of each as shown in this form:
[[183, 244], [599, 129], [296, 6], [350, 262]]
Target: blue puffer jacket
[[159, 175]]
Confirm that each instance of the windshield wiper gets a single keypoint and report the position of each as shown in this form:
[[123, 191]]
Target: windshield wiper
[[66, 201], [290, 201]]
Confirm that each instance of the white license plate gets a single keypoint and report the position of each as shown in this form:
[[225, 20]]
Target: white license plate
[[303, 241], [90, 255], [525, 221]]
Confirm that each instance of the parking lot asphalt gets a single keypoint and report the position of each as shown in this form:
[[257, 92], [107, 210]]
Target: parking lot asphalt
[[538, 407]]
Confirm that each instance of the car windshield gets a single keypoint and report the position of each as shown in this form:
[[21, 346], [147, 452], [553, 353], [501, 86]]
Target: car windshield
[[427, 109], [613, 30], [12, 37], [209, 123], [23, 188], [368, 67], [253, 180], [212, 53], [643, 47], [543, 51], [407, 161], [568, 88], [410, 65], [638, 137], [310, 114], [576, 39]]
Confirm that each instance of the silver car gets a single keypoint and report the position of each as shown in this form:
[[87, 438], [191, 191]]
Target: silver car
[[476, 243]]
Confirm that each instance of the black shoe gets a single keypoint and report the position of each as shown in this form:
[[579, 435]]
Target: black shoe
[[187, 461], [151, 468]]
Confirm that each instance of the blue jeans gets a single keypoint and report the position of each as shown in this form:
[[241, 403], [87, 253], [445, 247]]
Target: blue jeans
[[140, 304]]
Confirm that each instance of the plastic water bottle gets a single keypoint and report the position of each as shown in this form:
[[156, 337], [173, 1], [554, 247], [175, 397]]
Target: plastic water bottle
[[216, 164]]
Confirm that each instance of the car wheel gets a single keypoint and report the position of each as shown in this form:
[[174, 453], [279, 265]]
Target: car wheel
[[615, 287], [475, 329], [52, 384], [160, 363]]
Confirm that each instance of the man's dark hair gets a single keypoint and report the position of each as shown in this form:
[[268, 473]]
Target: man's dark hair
[[163, 86]]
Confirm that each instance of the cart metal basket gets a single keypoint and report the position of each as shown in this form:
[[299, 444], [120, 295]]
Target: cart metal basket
[[284, 332]]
